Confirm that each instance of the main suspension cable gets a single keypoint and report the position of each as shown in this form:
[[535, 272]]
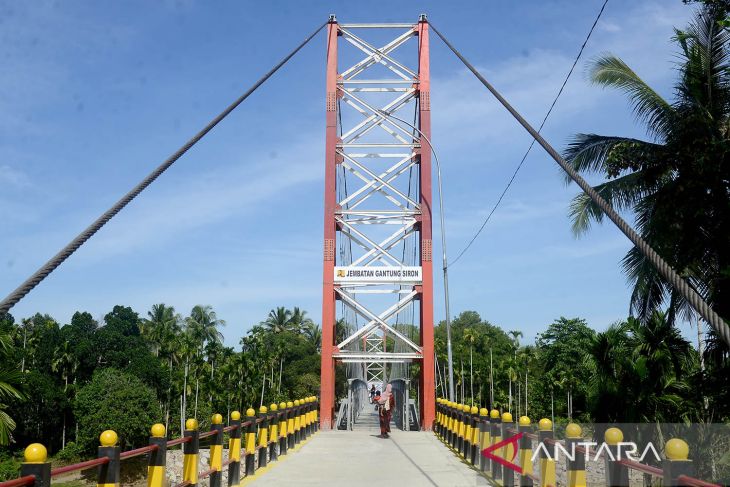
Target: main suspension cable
[[532, 143], [656, 260], [77, 242]]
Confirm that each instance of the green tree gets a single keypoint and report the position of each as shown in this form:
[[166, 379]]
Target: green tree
[[677, 183], [9, 381], [118, 401]]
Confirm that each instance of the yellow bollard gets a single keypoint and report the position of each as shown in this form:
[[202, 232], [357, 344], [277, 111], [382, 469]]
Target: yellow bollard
[[677, 461], [216, 451], [577, 466], [234, 450], [496, 437], [35, 462], [282, 428], [274, 433], [474, 435], [290, 424], [190, 452], [525, 453], [107, 475], [157, 459], [250, 442], [466, 444], [263, 436], [483, 438], [508, 451], [297, 422], [616, 473], [547, 462]]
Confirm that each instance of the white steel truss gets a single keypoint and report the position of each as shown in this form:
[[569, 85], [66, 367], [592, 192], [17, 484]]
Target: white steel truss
[[377, 155]]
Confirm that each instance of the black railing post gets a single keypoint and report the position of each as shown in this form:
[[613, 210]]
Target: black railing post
[[108, 473], [36, 463]]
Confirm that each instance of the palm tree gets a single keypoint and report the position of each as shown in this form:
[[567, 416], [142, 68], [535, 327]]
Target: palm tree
[[9, 380], [279, 320], [512, 373], [676, 182], [299, 320], [157, 327], [313, 332], [202, 326]]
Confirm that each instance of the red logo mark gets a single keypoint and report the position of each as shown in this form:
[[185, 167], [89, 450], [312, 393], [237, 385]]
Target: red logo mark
[[512, 440]]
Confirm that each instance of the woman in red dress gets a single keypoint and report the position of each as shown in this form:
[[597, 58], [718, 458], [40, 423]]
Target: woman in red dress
[[387, 404]]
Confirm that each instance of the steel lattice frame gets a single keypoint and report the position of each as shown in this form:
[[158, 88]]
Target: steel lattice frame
[[363, 215]]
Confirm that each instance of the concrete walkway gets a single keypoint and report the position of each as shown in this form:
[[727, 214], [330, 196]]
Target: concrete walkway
[[360, 458]]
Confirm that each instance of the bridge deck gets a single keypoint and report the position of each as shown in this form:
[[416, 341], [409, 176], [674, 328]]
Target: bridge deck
[[360, 458]]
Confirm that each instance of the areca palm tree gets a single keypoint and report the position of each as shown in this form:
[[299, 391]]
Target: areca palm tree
[[677, 181], [66, 363]]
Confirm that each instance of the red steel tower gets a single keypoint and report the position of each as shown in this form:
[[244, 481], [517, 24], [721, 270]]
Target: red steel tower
[[378, 211]]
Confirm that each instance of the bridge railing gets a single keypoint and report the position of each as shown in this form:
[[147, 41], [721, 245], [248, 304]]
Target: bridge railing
[[258, 440], [470, 432]]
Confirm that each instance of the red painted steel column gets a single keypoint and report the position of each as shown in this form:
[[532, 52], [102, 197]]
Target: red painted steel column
[[327, 387], [428, 384]]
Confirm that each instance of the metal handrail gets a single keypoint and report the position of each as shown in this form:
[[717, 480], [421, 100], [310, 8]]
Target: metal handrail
[[80, 466]]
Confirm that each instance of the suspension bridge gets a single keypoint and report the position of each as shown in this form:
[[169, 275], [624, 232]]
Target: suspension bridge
[[378, 281]]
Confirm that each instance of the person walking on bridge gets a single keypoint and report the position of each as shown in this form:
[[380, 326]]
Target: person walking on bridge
[[385, 411], [372, 394]]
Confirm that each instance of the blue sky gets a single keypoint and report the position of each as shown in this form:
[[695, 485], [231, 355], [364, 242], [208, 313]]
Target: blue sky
[[93, 95]]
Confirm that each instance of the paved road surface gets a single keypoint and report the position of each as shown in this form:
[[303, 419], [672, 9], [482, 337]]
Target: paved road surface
[[360, 458]]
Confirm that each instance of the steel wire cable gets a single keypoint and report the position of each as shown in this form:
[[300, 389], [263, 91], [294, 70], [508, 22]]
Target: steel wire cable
[[532, 143], [85, 235], [699, 304]]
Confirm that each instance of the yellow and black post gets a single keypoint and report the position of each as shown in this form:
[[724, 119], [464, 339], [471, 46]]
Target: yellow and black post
[[316, 413], [438, 417], [216, 451], [616, 474], [496, 437], [297, 421], [107, 475], [460, 429], [474, 436], [576, 466], [508, 453], [466, 444], [677, 462], [158, 457], [448, 422], [525, 454], [282, 428], [250, 442], [547, 460], [302, 409], [190, 452], [263, 435], [274, 433], [234, 451], [305, 418], [36, 463], [483, 438], [290, 424], [451, 440]]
